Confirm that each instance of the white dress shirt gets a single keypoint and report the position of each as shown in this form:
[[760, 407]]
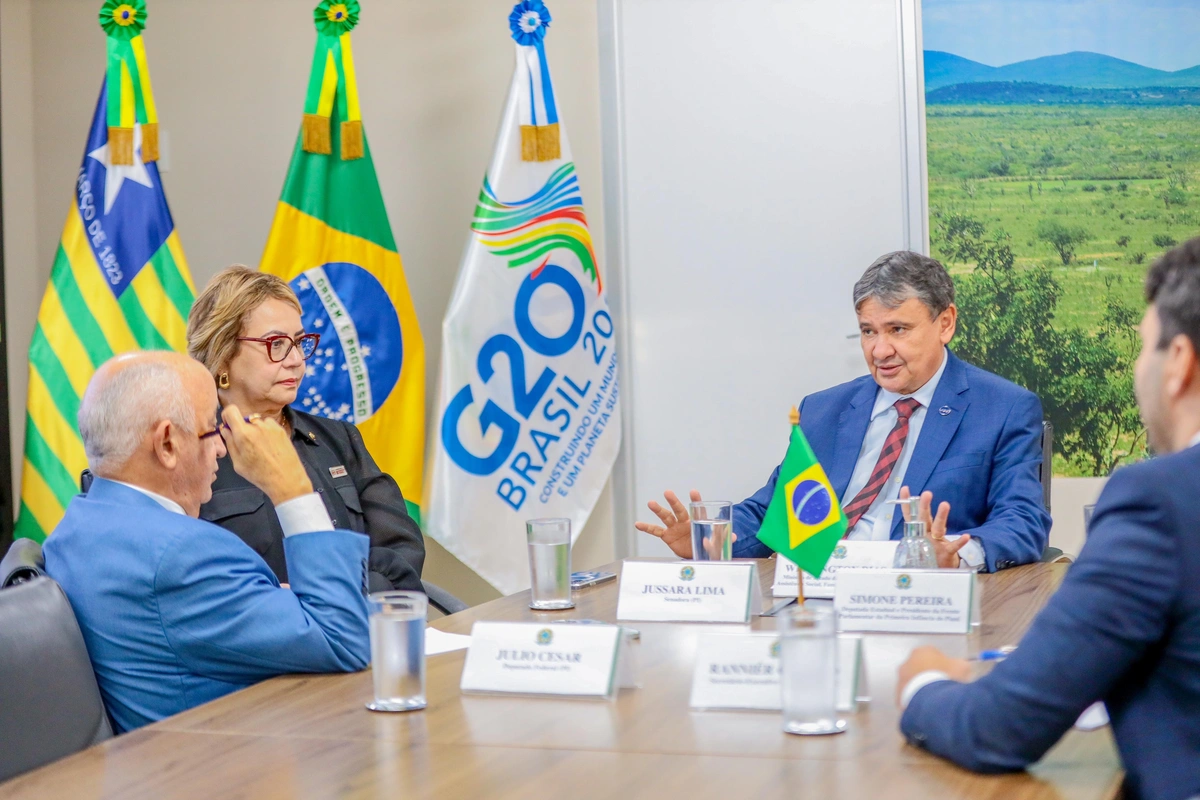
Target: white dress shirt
[[303, 514]]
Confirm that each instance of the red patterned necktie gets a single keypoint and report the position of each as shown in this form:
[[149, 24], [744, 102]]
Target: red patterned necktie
[[888, 457]]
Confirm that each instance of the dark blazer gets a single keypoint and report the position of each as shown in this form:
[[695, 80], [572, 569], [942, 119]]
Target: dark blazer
[[1124, 628], [176, 611], [982, 456], [359, 496]]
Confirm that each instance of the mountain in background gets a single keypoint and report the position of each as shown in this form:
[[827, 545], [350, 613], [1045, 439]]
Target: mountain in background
[[1081, 70]]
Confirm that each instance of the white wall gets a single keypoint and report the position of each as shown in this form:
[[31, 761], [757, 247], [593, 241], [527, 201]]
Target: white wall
[[432, 80]]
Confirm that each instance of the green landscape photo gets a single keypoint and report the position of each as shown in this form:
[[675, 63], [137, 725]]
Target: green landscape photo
[[1057, 174]]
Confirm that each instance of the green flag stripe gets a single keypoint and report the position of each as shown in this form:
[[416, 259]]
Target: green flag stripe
[[55, 377], [172, 280], [148, 337], [414, 511], [77, 310], [27, 526], [61, 482]]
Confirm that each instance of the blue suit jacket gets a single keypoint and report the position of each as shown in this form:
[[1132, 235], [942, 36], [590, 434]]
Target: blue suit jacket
[[982, 457], [1124, 627], [176, 611]]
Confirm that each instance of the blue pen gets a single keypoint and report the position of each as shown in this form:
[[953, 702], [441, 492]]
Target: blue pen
[[994, 655]]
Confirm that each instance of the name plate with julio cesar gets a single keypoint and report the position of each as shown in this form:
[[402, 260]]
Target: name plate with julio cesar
[[907, 601], [532, 658], [742, 671], [869, 555], [689, 591]]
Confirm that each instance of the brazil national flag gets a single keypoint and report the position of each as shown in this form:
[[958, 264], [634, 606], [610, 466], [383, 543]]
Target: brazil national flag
[[804, 521], [332, 243]]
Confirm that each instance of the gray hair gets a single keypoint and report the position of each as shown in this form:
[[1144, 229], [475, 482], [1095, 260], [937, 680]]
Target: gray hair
[[118, 411], [903, 275]]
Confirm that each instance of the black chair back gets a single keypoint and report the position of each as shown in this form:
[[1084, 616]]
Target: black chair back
[[23, 562], [50, 705]]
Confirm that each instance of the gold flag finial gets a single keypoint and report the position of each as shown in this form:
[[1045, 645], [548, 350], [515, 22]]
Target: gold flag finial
[[794, 416]]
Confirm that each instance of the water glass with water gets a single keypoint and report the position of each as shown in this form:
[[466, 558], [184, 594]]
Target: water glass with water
[[549, 563], [712, 530], [808, 663], [398, 650]]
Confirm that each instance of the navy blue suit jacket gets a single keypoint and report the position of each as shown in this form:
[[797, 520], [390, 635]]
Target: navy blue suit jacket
[[982, 457], [1124, 628], [176, 611]]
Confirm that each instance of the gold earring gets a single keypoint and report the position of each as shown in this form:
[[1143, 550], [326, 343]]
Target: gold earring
[[223, 381]]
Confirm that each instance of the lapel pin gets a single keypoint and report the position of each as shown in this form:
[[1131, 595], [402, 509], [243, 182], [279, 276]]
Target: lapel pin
[[944, 411]]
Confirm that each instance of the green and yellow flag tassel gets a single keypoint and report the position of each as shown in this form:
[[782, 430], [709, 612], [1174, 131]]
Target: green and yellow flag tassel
[[333, 81], [130, 98]]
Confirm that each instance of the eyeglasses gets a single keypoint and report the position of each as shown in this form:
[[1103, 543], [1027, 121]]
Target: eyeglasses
[[280, 345]]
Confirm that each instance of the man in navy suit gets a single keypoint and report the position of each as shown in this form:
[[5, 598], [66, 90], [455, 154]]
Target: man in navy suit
[[1124, 627], [924, 421], [176, 611]]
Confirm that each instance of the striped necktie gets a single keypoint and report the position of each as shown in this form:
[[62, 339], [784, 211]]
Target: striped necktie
[[892, 447]]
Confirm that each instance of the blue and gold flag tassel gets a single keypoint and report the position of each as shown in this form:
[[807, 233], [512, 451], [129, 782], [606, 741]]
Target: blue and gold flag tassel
[[130, 96], [540, 139], [333, 81]]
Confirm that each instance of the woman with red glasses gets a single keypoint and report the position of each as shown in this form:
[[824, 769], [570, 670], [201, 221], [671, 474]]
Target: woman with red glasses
[[245, 327]]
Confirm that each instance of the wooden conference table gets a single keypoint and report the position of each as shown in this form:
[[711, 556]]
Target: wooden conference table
[[311, 737]]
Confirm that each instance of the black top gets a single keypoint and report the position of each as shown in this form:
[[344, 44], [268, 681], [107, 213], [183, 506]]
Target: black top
[[359, 496]]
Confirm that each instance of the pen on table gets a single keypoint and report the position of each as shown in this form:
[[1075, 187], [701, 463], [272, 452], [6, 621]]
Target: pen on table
[[994, 655]]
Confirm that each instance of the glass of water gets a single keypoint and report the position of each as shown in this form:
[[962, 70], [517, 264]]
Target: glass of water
[[712, 530], [398, 650], [549, 563], [808, 660]]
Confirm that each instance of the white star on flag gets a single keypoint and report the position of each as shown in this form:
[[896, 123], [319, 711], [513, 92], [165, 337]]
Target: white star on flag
[[304, 284], [115, 176]]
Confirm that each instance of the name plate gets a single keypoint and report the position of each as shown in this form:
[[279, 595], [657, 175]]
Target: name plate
[[530, 658], [866, 555], [689, 591], [907, 601], [742, 671]]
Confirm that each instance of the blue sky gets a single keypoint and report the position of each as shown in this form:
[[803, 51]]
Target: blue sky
[[1164, 34]]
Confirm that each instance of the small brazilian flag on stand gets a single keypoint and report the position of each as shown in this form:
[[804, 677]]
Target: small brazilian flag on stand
[[331, 241], [804, 522]]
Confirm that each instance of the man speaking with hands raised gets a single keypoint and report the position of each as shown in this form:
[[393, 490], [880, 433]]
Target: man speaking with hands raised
[[176, 611], [922, 419]]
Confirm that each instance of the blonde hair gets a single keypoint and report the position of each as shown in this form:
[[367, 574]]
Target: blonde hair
[[217, 316]]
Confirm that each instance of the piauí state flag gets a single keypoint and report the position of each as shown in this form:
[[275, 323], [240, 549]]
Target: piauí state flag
[[804, 521], [331, 241], [119, 283], [528, 419]]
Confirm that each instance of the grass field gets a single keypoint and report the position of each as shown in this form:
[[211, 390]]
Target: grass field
[[1127, 175]]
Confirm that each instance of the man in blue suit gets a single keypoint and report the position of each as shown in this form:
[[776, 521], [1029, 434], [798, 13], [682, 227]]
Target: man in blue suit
[[924, 421], [1124, 627], [176, 611]]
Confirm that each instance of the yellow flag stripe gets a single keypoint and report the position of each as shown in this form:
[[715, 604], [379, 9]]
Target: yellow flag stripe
[[96, 291], [38, 497], [352, 110], [180, 260], [60, 434], [158, 309], [64, 342], [128, 106], [139, 56], [328, 87]]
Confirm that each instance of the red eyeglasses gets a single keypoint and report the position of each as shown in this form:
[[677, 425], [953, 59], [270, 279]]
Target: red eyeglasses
[[279, 345]]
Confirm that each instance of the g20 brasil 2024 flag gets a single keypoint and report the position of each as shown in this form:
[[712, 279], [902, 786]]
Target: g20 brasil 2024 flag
[[332, 242], [528, 416], [119, 282], [804, 521]]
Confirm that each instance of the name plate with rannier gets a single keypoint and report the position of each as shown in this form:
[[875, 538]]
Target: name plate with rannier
[[742, 671], [532, 658], [689, 591], [869, 555], [907, 601]]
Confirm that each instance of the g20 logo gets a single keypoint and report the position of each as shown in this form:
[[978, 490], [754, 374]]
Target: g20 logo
[[554, 413]]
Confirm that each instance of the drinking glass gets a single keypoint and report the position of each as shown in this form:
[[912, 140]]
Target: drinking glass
[[549, 563], [712, 530], [398, 650], [808, 660]]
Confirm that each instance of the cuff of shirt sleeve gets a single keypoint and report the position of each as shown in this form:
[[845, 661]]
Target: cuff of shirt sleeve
[[920, 682], [971, 554], [303, 514]]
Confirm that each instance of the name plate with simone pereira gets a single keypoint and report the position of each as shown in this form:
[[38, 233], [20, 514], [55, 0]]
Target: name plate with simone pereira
[[531, 658], [869, 555], [689, 591], [907, 601]]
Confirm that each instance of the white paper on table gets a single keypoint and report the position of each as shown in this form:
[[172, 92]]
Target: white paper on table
[[441, 642], [1093, 717]]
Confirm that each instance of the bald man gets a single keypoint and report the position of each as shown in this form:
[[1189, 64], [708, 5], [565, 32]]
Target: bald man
[[176, 611]]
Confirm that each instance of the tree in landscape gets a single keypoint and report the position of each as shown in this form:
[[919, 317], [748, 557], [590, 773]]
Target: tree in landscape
[[1061, 237], [1007, 326]]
